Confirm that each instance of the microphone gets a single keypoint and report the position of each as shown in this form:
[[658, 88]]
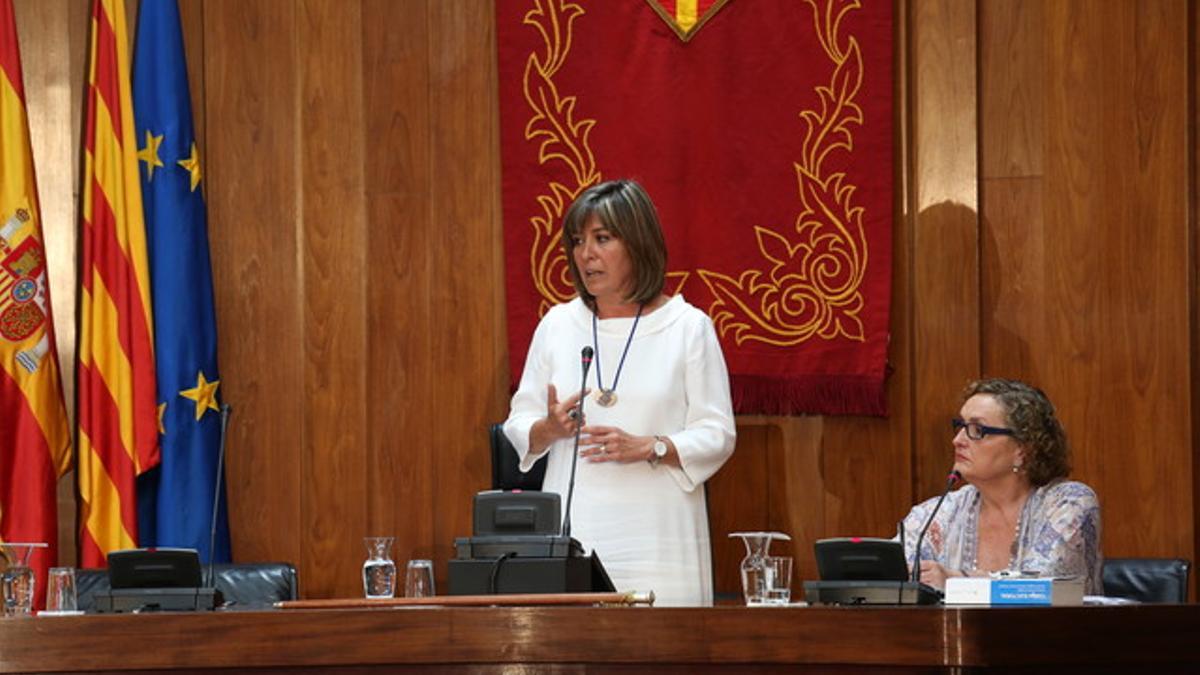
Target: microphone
[[585, 360], [226, 409], [951, 479]]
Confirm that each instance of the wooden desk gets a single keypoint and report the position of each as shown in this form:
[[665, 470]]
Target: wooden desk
[[607, 640]]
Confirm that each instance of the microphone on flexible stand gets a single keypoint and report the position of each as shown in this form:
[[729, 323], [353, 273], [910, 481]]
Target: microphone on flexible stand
[[585, 358], [226, 409], [951, 479]]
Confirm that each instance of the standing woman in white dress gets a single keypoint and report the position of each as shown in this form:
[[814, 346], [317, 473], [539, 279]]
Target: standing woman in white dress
[[658, 419]]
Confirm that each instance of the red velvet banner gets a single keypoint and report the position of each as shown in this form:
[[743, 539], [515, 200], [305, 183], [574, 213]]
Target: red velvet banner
[[762, 131]]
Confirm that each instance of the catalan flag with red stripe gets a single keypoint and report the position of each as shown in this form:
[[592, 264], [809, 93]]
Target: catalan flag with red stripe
[[34, 435], [118, 418]]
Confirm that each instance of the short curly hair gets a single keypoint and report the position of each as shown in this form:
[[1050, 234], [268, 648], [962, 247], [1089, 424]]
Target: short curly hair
[[1030, 415]]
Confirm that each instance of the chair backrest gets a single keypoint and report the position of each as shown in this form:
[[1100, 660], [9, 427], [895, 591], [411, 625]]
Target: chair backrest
[[506, 471], [1147, 579], [243, 585]]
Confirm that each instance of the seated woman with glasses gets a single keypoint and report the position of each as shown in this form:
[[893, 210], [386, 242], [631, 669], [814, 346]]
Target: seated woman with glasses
[[1017, 512]]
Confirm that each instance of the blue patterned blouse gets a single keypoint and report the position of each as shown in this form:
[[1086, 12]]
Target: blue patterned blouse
[[1059, 533]]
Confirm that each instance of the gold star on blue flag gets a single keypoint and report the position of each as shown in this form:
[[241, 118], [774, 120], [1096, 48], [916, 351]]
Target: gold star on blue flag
[[204, 394], [149, 154], [192, 164]]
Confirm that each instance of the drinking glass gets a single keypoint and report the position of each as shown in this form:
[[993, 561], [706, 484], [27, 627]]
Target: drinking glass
[[379, 572], [60, 591], [418, 582], [778, 586]]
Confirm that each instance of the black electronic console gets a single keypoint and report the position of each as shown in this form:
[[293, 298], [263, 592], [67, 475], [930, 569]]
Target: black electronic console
[[870, 593], [155, 579], [517, 547], [865, 571], [516, 512]]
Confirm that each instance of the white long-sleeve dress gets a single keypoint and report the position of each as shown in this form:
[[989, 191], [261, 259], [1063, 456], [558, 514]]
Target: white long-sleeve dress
[[648, 524]]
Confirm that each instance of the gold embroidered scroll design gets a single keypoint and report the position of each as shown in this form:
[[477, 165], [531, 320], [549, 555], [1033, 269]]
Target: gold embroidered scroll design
[[810, 283], [562, 140]]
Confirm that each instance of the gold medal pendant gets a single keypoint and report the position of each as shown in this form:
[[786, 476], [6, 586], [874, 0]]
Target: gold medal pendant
[[606, 397]]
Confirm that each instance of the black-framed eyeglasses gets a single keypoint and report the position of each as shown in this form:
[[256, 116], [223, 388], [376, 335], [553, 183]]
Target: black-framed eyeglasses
[[977, 431]]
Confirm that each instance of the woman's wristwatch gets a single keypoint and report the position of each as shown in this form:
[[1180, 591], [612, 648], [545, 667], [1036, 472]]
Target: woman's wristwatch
[[658, 451]]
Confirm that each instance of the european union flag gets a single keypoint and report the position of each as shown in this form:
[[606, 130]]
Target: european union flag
[[175, 501]]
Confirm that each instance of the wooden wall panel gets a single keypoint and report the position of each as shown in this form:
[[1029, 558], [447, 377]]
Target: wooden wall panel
[[253, 195], [945, 272], [1012, 48], [333, 247], [865, 476], [1086, 217], [1012, 106], [1193, 223], [795, 494], [1194, 287], [469, 387], [399, 297], [737, 502]]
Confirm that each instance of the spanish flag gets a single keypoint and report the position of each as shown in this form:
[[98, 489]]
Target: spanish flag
[[118, 420], [34, 436]]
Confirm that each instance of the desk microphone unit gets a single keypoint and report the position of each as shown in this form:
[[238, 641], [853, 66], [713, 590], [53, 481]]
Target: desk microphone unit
[[517, 547], [155, 579], [865, 571]]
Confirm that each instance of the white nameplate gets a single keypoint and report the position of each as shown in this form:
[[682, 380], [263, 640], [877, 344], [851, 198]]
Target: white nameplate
[[1043, 591]]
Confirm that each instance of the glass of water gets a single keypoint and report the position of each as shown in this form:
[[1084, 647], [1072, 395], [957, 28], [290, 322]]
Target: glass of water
[[418, 582], [379, 571], [778, 582], [60, 591]]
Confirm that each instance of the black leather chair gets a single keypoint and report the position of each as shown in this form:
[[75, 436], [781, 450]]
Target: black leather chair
[[1147, 579], [506, 472], [243, 585]]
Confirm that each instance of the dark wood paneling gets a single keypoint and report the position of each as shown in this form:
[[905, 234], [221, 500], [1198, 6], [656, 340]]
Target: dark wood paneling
[[1013, 312], [253, 194], [795, 494], [737, 502], [1193, 223], [1086, 244], [1012, 52], [461, 243], [333, 286], [1012, 48], [400, 482], [945, 272], [772, 483]]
